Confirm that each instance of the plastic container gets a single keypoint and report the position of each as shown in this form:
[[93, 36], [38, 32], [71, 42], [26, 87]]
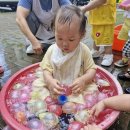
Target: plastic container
[[117, 43], [13, 123]]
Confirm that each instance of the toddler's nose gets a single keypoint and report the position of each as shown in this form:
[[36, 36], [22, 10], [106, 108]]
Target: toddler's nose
[[65, 44]]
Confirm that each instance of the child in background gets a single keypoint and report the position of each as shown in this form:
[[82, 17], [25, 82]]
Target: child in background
[[124, 34], [102, 19], [68, 61]]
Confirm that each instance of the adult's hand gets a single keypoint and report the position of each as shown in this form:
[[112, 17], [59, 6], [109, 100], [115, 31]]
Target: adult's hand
[[97, 108], [92, 5], [37, 47]]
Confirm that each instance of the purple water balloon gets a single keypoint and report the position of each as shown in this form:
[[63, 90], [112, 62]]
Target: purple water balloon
[[15, 94], [36, 124], [24, 97], [7, 128], [26, 89]]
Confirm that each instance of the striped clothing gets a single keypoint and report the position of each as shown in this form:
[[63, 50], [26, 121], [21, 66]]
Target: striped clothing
[[126, 49]]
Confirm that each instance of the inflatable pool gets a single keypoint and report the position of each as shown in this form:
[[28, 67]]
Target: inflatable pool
[[26, 76]]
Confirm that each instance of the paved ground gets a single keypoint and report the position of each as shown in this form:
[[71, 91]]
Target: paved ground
[[13, 58]]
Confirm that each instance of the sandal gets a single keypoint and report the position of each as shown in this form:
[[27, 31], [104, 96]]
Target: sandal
[[121, 63], [1, 69], [125, 75]]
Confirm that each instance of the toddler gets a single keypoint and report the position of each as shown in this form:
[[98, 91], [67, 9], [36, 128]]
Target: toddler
[[68, 61]]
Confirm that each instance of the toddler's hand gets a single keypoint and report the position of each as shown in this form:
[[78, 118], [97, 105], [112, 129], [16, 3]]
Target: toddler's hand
[[78, 85], [97, 108], [54, 87]]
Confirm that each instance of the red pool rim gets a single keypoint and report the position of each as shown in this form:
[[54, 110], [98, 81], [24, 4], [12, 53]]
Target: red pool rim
[[111, 119], [3, 109], [17, 126]]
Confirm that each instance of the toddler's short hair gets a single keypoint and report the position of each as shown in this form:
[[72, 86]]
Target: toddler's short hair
[[65, 15]]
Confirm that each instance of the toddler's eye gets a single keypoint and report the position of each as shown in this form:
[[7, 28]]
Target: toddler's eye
[[59, 39], [71, 40]]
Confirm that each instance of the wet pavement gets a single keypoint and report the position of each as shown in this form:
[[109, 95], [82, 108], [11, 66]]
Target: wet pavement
[[14, 58]]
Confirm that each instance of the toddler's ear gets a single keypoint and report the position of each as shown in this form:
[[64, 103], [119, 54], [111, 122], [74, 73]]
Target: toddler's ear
[[83, 34]]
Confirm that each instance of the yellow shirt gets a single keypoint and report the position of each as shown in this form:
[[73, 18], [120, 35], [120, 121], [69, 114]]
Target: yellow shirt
[[105, 14], [86, 64], [87, 60]]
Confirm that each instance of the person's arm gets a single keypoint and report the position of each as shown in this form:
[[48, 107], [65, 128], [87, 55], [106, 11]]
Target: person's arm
[[93, 4], [89, 67], [79, 84], [119, 102], [21, 16], [88, 76], [89, 71], [52, 83]]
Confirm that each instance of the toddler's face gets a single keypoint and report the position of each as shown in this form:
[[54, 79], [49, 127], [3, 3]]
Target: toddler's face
[[67, 35]]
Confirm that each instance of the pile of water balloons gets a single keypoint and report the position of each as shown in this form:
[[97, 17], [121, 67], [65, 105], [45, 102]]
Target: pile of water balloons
[[32, 105]]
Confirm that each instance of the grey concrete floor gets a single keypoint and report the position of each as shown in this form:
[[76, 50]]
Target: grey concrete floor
[[13, 58]]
